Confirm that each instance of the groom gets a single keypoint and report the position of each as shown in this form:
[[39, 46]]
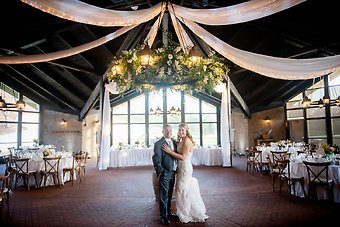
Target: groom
[[165, 166]]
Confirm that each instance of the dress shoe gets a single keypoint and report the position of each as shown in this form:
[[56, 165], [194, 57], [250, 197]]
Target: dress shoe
[[173, 216], [165, 221]]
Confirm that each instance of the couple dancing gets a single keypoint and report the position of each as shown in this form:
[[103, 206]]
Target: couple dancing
[[173, 157]]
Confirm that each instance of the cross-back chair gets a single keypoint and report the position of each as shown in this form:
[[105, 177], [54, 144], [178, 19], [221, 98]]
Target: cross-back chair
[[22, 171], [51, 168], [80, 164], [291, 179], [318, 176]]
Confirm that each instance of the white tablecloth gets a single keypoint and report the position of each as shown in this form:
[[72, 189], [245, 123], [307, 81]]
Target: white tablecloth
[[36, 164], [143, 157], [299, 168]]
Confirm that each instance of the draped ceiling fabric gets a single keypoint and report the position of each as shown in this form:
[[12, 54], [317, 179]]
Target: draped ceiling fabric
[[279, 68]]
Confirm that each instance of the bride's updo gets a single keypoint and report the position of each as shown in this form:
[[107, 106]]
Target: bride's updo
[[186, 127]]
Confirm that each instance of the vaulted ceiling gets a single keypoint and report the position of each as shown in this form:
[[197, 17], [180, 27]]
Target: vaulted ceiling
[[71, 84]]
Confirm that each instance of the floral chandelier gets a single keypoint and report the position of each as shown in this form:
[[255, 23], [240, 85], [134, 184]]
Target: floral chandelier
[[143, 69]]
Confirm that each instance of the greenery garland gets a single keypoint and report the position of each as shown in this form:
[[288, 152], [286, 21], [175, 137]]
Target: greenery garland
[[171, 67]]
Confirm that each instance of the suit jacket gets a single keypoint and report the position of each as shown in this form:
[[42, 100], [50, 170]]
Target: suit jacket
[[162, 161]]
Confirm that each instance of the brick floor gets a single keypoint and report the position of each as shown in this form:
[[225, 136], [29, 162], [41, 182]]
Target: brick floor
[[124, 197]]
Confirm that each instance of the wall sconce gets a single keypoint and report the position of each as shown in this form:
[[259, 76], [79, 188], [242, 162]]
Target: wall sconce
[[267, 120], [63, 122]]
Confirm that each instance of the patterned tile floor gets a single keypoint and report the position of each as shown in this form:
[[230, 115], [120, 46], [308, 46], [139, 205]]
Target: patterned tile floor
[[125, 197]]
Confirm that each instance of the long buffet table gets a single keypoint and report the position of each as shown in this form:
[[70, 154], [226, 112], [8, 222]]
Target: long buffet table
[[143, 157]]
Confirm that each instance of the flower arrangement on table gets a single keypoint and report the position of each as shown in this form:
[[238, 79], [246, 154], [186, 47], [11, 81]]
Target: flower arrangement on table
[[329, 150], [170, 67], [47, 152]]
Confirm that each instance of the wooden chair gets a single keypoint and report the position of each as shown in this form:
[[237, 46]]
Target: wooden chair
[[318, 176], [22, 171], [285, 175], [254, 160], [3, 186], [70, 170], [80, 164], [51, 169], [273, 165]]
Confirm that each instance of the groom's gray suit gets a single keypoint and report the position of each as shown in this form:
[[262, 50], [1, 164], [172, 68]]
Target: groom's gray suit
[[164, 165]]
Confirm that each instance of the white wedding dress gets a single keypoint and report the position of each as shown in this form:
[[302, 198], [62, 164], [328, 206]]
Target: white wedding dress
[[189, 203]]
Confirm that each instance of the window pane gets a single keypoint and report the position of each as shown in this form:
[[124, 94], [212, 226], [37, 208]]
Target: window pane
[[335, 111], [120, 109], [173, 99], [209, 117], [315, 94], [294, 114], [137, 118], [8, 135], [334, 78], [30, 105], [334, 92], [336, 127], [316, 128], [315, 112], [155, 133], [208, 108], [137, 105], [294, 104], [119, 134], [192, 118], [195, 132], [120, 119], [191, 104], [209, 134], [174, 118], [156, 119], [138, 134], [156, 99], [30, 117], [9, 116], [29, 133]]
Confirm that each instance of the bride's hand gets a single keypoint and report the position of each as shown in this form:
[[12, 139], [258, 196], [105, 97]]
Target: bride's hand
[[166, 148]]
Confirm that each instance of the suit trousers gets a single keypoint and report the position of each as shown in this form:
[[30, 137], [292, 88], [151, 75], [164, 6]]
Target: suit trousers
[[166, 186]]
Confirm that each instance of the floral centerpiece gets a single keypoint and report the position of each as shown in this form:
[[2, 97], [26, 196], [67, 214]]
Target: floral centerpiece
[[329, 150], [47, 152], [170, 67]]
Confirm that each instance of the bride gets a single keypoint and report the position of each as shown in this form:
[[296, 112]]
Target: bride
[[189, 203]]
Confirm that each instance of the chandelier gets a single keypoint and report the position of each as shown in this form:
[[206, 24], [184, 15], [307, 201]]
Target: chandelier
[[325, 101], [158, 111], [20, 104], [170, 66]]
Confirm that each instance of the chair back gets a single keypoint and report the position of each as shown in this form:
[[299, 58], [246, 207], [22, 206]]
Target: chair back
[[79, 160], [318, 172], [52, 164], [21, 165], [284, 168], [279, 155]]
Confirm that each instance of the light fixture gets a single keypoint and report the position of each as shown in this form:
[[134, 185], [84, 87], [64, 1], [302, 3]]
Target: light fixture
[[158, 111], [195, 55], [20, 104], [325, 101], [146, 55], [267, 120], [63, 122]]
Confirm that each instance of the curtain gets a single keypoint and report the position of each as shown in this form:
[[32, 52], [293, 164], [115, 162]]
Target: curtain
[[84, 13], [225, 125], [247, 11], [26, 59]]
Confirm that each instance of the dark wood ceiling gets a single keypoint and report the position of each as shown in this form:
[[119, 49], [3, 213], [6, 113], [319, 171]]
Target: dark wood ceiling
[[71, 84]]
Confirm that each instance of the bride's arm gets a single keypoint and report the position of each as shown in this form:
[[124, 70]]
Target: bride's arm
[[186, 147]]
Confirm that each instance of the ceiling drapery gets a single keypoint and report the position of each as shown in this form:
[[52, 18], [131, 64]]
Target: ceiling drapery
[[279, 68], [84, 13]]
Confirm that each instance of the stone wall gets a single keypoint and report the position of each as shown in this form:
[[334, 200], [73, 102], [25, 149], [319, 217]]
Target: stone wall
[[239, 132], [257, 125], [54, 133]]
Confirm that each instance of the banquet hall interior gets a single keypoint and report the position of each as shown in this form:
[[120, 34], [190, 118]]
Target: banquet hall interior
[[250, 78]]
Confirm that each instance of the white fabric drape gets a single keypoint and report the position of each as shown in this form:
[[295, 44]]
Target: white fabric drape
[[225, 125], [24, 59], [274, 67], [239, 13], [84, 13], [183, 37]]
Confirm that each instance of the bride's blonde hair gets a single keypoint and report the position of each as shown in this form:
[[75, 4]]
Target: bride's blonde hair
[[186, 127]]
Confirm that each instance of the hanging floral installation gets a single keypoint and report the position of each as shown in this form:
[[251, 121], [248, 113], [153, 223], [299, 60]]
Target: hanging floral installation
[[168, 66]]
